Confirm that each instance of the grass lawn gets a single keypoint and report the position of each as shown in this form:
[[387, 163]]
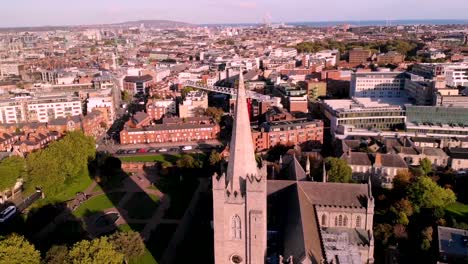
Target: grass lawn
[[146, 258], [159, 240], [132, 227], [459, 211], [66, 193], [98, 204], [141, 205], [172, 158], [151, 158]]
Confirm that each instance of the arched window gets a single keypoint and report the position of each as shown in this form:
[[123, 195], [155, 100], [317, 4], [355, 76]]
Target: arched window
[[324, 219], [336, 220], [345, 221], [340, 220], [358, 221], [236, 227]]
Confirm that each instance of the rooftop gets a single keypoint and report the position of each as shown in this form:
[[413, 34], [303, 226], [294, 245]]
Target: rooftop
[[453, 241]]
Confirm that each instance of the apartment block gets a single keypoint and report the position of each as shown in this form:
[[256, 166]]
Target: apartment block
[[377, 84]]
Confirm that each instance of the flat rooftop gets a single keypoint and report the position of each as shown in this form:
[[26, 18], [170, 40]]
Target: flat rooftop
[[365, 103], [453, 241]]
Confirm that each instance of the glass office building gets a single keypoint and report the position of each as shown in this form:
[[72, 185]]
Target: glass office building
[[437, 115]]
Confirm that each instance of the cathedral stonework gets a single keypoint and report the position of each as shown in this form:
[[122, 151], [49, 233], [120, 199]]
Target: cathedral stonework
[[239, 197]]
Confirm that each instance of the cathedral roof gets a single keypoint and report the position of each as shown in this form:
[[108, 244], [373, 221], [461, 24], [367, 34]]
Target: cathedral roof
[[292, 205]]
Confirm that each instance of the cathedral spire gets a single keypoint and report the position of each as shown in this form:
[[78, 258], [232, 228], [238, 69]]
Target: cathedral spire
[[242, 156]]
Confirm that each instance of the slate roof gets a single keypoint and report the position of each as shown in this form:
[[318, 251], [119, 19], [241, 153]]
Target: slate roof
[[393, 160], [458, 153], [358, 158], [335, 194], [134, 79]]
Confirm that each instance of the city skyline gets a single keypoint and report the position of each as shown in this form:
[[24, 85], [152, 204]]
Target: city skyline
[[27, 13]]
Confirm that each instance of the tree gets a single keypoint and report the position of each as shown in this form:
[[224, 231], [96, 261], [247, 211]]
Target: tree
[[63, 161], [338, 170], [126, 97], [186, 90], [98, 250], [11, 169], [401, 211], [425, 193], [15, 249], [426, 166], [215, 158], [215, 113], [188, 162], [383, 233], [130, 244], [199, 111], [426, 236], [57, 255]]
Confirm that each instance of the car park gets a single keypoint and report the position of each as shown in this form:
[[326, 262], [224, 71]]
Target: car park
[[120, 151], [142, 150]]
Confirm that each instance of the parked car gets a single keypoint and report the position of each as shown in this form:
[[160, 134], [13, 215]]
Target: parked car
[[132, 151], [120, 151], [142, 150], [162, 150], [187, 148], [152, 150], [7, 213]]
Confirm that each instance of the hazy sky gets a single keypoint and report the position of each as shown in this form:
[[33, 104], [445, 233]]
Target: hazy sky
[[72, 12]]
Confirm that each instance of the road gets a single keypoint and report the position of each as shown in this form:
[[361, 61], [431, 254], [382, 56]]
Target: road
[[113, 148]]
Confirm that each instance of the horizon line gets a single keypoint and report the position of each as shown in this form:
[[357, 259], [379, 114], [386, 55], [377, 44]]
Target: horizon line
[[248, 23]]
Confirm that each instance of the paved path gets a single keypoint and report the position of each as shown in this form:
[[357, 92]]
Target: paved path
[[131, 185]]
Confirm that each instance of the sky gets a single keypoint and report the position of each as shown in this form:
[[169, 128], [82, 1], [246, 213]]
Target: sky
[[19, 13]]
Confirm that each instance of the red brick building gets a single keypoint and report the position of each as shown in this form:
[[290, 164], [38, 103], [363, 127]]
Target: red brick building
[[290, 132], [174, 130]]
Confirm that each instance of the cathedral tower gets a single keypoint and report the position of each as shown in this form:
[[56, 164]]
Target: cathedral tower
[[240, 196]]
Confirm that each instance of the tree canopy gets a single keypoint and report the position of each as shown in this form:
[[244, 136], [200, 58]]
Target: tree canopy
[[15, 249], [426, 166], [62, 162], [425, 193], [57, 255], [98, 250], [215, 113], [130, 244], [215, 158], [338, 170], [188, 162]]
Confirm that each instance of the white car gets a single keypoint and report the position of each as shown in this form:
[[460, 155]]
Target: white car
[[7, 213], [162, 150], [187, 148]]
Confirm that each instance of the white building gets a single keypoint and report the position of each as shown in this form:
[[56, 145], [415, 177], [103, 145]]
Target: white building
[[368, 114], [42, 109], [377, 84], [456, 75], [284, 53]]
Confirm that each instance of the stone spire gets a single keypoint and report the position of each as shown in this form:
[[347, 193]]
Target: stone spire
[[242, 155]]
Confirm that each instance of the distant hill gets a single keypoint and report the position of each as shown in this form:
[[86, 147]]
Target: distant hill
[[163, 24], [154, 24]]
